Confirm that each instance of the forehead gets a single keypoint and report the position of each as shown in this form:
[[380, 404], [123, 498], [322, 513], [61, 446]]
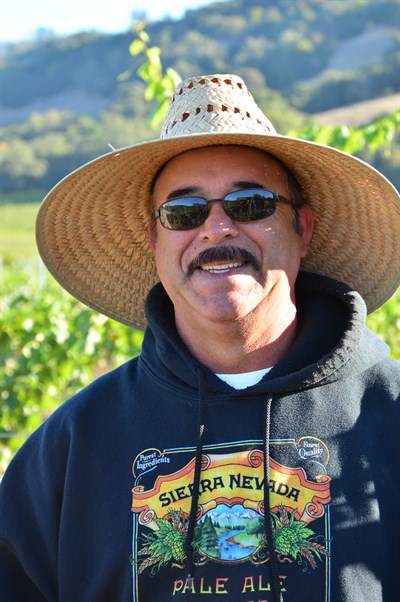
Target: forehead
[[218, 162], [220, 153]]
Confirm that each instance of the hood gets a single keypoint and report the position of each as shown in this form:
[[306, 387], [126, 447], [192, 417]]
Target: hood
[[332, 342]]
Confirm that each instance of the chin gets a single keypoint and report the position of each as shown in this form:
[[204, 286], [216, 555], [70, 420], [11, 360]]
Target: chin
[[226, 312]]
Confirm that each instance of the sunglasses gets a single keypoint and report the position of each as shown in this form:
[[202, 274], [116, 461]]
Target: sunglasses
[[249, 205]]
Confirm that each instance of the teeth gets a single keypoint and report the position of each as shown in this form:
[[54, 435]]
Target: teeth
[[222, 267]]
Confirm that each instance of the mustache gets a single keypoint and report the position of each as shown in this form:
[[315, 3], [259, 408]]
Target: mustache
[[222, 254]]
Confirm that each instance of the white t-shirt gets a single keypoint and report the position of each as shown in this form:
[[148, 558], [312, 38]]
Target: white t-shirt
[[244, 379]]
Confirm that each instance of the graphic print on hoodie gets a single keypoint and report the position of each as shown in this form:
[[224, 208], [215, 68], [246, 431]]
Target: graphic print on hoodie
[[230, 551]]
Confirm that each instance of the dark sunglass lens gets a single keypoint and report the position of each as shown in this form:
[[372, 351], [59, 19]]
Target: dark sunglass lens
[[183, 214], [250, 205]]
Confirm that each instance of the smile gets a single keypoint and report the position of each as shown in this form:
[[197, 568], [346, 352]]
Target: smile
[[219, 260], [221, 268]]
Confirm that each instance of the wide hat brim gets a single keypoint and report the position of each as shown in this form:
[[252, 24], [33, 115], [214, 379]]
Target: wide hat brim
[[92, 228]]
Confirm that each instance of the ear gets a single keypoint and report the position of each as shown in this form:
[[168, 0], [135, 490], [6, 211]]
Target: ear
[[152, 237], [306, 227]]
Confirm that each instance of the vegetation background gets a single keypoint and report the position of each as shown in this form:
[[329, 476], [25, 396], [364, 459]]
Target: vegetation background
[[323, 70]]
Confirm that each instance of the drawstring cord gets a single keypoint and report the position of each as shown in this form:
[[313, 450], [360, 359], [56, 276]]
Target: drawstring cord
[[276, 589], [196, 484]]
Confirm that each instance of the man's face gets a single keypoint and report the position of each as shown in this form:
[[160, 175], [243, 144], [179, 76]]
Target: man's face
[[222, 289]]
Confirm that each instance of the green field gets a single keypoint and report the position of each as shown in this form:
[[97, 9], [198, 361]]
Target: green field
[[17, 233], [17, 223]]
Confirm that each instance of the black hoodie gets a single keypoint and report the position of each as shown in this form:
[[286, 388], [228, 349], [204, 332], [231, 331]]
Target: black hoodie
[[294, 494]]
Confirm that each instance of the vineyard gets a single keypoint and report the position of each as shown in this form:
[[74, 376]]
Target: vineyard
[[51, 345]]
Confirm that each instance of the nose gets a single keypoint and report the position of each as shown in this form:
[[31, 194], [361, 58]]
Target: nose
[[218, 224]]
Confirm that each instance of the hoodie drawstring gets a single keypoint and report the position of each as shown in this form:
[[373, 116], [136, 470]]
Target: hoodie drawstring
[[276, 588], [196, 484]]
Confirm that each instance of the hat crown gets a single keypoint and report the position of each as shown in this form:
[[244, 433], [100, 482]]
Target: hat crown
[[214, 103]]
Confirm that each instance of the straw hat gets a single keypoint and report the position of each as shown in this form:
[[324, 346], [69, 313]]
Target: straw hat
[[92, 227]]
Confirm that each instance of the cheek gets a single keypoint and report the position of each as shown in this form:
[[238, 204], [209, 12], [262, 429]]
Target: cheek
[[170, 248], [278, 242]]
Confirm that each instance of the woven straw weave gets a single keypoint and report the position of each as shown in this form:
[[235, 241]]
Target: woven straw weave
[[92, 227]]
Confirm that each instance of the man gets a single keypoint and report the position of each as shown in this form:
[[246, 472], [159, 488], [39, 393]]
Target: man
[[256, 437]]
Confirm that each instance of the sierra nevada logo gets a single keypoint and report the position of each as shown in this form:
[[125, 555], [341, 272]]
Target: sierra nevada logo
[[230, 517]]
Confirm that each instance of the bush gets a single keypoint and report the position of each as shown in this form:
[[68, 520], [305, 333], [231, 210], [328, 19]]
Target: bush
[[50, 347]]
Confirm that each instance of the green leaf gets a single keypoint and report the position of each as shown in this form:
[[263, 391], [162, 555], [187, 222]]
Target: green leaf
[[159, 113], [136, 47], [149, 72], [153, 55], [174, 76], [150, 92], [354, 143], [144, 36]]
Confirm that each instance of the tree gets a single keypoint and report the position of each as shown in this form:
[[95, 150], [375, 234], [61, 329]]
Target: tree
[[255, 526], [209, 537]]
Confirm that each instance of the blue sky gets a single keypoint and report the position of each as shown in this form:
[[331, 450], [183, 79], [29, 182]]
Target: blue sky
[[20, 19]]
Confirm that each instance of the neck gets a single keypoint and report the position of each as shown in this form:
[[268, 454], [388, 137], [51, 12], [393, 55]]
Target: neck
[[241, 345]]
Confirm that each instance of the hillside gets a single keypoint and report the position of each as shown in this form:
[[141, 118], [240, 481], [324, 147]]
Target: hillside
[[360, 113], [62, 102], [305, 40]]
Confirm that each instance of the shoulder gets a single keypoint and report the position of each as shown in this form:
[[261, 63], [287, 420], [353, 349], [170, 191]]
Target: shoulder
[[376, 365], [381, 395], [117, 385], [386, 375]]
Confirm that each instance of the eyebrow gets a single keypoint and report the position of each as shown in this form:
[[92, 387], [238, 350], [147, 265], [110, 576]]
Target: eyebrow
[[179, 192], [194, 190]]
